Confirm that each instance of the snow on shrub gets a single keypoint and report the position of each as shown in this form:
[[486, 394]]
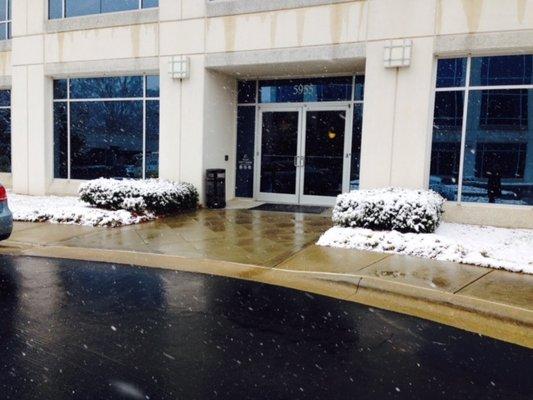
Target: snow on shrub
[[157, 196], [402, 210]]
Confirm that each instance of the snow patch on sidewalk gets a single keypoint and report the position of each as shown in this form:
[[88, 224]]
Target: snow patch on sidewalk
[[69, 210], [509, 249]]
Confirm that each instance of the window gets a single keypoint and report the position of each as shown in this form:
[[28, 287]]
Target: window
[[5, 130], [482, 147], [5, 19], [106, 127], [75, 8]]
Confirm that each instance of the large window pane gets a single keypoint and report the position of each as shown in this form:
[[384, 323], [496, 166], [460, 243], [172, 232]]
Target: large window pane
[[498, 162], [114, 87], [119, 5], [150, 3], [5, 98], [451, 72], [60, 89], [5, 140], [359, 92], [60, 141], [306, 90], [74, 8], [502, 70], [246, 92], [152, 139], [244, 186], [152, 86], [446, 144], [3, 10], [55, 9], [357, 130], [106, 139]]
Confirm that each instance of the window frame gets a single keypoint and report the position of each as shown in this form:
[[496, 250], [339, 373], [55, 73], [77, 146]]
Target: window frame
[[8, 21], [466, 89], [68, 101], [64, 11]]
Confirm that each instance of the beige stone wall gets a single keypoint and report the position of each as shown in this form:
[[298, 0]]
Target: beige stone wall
[[195, 133]]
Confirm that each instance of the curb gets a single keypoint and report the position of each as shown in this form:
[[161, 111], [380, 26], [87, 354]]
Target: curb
[[500, 321]]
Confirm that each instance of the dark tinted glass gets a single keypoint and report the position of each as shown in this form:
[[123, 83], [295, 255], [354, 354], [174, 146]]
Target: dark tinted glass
[[113, 87], [5, 140], [502, 70], [106, 139], [245, 151], [359, 93], [246, 92], [446, 144], [451, 72], [498, 148], [152, 86], [324, 152], [150, 3], [60, 89], [279, 144], [5, 98], [55, 9], [152, 139], [356, 146], [60, 140], [306, 90]]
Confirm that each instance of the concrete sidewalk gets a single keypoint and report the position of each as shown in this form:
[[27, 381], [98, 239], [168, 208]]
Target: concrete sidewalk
[[279, 248]]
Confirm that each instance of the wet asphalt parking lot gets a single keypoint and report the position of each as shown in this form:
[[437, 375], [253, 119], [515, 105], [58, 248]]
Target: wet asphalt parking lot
[[85, 330]]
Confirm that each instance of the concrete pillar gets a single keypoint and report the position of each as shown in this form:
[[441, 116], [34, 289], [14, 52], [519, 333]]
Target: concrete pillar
[[397, 118], [220, 126], [31, 102]]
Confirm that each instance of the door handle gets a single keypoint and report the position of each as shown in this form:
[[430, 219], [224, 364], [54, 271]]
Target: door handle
[[302, 164], [296, 161]]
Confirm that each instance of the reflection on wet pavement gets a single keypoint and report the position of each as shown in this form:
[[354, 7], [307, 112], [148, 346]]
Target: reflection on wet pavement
[[244, 236], [80, 330]]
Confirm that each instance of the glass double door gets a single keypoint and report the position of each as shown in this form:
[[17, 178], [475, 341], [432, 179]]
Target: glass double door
[[303, 154]]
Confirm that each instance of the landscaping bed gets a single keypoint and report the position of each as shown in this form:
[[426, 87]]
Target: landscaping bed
[[408, 222], [107, 202]]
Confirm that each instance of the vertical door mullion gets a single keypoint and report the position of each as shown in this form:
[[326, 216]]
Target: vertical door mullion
[[258, 150], [347, 154], [144, 130], [463, 131], [68, 131], [300, 153]]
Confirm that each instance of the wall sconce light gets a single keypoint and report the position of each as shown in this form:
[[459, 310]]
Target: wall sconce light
[[332, 134], [180, 67], [398, 53]]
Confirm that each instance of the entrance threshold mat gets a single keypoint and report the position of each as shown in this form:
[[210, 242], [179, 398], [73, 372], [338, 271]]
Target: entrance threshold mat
[[292, 208]]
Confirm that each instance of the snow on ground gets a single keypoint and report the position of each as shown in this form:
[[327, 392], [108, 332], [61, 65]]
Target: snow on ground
[[69, 210], [510, 249]]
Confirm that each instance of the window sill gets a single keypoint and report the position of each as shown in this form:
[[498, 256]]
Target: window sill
[[216, 8], [102, 20], [5, 45]]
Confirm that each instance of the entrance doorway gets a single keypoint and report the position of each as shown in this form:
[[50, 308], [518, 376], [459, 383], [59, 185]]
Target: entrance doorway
[[303, 153]]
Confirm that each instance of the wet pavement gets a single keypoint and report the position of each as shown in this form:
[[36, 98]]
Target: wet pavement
[[85, 330], [243, 236]]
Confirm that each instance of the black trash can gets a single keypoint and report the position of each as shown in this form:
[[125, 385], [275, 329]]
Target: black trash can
[[215, 188]]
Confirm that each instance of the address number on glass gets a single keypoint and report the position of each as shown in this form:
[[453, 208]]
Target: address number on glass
[[303, 89]]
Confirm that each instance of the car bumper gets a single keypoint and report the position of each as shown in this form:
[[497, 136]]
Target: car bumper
[[6, 221]]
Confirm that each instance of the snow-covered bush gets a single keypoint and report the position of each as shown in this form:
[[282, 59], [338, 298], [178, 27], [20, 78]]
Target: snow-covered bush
[[403, 210], [158, 196]]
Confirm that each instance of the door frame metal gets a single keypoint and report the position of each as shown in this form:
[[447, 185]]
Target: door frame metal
[[302, 108], [346, 155], [274, 197]]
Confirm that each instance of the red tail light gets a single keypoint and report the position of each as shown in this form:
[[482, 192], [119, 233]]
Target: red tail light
[[3, 193]]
